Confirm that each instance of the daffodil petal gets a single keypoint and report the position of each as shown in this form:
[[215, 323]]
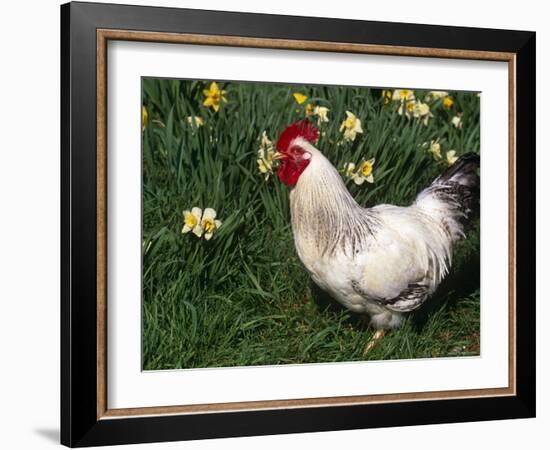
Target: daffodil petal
[[209, 213], [185, 229], [370, 178], [300, 98], [218, 223], [197, 212], [358, 180], [207, 236], [197, 231]]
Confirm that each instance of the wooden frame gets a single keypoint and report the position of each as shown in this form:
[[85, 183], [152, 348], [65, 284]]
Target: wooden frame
[[86, 418]]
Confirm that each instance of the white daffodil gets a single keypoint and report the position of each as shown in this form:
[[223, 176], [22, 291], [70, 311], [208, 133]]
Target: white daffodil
[[360, 174], [364, 172], [432, 96], [403, 95], [349, 169], [451, 157], [351, 126], [192, 221], [457, 121], [435, 149], [209, 223], [265, 156], [195, 121], [407, 109], [321, 113], [421, 111]]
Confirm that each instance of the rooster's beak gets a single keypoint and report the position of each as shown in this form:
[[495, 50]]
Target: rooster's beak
[[278, 155]]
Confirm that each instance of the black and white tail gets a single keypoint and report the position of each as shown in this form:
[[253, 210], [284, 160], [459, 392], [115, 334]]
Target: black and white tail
[[453, 197]]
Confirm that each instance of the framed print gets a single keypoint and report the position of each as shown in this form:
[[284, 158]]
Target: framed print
[[276, 224]]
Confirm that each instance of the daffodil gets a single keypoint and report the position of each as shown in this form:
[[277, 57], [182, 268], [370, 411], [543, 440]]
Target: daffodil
[[360, 174], [321, 113], [265, 156], [406, 108], [349, 169], [351, 126], [457, 121], [387, 95], [421, 111], [144, 116], [435, 149], [300, 98], [209, 223], [403, 95], [309, 110], [364, 173], [192, 221], [214, 96], [195, 121], [451, 157], [432, 96], [448, 102]]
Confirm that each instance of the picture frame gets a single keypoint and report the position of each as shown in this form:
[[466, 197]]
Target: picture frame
[[86, 29]]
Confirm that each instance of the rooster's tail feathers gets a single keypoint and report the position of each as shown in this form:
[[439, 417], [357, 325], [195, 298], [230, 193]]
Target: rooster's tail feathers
[[454, 195]]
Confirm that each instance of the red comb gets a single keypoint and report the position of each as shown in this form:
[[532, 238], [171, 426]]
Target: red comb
[[304, 129]]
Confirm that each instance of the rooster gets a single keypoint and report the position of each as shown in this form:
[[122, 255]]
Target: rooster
[[384, 261]]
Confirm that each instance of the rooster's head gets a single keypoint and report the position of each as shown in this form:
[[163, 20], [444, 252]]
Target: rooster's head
[[294, 157]]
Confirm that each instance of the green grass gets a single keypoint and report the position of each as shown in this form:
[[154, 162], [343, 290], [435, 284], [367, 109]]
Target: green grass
[[243, 298]]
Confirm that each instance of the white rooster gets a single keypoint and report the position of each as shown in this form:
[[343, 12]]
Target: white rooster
[[384, 261]]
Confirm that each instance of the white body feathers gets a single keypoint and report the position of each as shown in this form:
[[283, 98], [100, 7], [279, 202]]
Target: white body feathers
[[383, 261]]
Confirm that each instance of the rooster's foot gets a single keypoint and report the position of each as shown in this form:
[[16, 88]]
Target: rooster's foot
[[374, 340]]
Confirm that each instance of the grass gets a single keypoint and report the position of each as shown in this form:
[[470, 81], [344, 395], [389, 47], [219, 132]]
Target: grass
[[243, 298]]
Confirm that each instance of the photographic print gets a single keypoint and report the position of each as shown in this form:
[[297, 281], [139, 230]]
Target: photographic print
[[295, 224]]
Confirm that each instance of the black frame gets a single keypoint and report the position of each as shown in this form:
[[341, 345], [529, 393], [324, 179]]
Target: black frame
[[79, 423]]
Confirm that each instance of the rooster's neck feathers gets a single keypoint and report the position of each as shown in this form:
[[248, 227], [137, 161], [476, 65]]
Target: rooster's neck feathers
[[324, 212]]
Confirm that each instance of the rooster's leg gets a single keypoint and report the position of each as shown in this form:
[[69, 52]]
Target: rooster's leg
[[374, 340]]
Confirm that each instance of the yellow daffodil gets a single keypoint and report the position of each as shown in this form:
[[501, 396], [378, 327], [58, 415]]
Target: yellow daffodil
[[209, 223], [435, 149], [387, 95], [457, 121], [144, 116], [448, 102], [300, 98], [214, 96], [351, 126], [321, 113], [192, 221], [195, 121], [432, 96], [403, 95], [451, 157], [265, 156], [309, 110]]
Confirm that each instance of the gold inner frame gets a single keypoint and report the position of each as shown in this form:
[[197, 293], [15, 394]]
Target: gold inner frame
[[103, 36]]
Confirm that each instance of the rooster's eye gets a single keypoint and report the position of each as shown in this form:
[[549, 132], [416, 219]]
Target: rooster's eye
[[296, 151]]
